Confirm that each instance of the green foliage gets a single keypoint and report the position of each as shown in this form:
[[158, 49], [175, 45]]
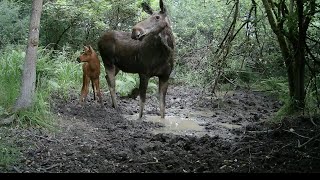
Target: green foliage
[[12, 59], [189, 77], [14, 25], [11, 69], [313, 97], [193, 23], [75, 23], [39, 114], [153, 86], [125, 83], [8, 154], [67, 72], [276, 85], [199, 27]]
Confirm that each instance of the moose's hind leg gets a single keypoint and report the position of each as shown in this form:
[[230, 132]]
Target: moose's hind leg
[[163, 87], [143, 90]]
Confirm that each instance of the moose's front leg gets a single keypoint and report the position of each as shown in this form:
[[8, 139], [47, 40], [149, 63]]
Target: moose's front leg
[[111, 72], [143, 90], [163, 86]]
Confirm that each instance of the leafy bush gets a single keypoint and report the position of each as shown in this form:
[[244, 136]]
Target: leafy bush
[[14, 25], [8, 154], [12, 59]]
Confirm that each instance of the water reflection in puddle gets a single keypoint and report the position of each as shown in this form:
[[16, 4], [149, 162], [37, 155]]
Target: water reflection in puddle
[[173, 124], [192, 122]]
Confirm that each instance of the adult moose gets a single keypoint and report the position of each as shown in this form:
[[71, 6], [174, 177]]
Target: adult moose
[[148, 51]]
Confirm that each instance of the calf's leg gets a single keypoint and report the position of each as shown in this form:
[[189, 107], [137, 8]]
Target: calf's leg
[[93, 89], [97, 87], [85, 88]]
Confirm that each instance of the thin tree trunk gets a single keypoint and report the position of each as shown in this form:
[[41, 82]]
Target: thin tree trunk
[[283, 44], [224, 48], [293, 42], [28, 80], [299, 60]]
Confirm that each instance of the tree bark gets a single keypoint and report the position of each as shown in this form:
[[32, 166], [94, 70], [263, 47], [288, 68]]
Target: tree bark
[[28, 80], [292, 42], [283, 44]]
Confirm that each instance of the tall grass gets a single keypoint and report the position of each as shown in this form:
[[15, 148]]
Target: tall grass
[[10, 68], [11, 64], [187, 76], [56, 72], [9, 154], [313, 97]]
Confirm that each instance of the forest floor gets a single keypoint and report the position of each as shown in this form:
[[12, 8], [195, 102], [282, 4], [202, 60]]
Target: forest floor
[[229, 132]]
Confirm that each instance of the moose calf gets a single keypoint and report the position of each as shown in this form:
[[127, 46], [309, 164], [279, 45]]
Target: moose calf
[[91, 72]]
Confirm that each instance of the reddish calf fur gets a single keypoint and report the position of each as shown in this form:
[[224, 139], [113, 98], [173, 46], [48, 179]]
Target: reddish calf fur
[[91, 72], [148, 51]]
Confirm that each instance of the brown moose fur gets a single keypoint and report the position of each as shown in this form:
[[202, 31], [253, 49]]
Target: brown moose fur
[[148, 51], [91, 72]]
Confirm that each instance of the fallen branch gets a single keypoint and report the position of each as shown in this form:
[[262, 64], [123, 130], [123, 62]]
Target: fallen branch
[[53, 166], [260, 132], [299, 135], [157, 161], [17, 169], [49, 168], [237, 151], [311, 119], [42, 137], [296, 134], [311, 139]]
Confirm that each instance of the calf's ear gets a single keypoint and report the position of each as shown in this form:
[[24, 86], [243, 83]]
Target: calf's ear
[[90, 48]]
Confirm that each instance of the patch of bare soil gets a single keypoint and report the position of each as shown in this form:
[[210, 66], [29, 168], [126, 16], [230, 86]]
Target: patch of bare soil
[[234, 137]]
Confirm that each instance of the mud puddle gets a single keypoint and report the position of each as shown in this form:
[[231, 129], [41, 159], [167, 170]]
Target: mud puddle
[[189, 122], [173, 124]]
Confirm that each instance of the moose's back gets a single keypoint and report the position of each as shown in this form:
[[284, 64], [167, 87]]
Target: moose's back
[[134, 56], [120, 50]]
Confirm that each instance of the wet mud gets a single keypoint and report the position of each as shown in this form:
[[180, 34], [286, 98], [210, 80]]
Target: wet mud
[[227, 132]]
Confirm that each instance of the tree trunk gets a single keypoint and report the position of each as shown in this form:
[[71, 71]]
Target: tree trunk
[[28, 80], [292, 42]]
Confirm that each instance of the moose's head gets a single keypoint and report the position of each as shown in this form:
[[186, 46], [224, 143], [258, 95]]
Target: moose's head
[[153, 25]]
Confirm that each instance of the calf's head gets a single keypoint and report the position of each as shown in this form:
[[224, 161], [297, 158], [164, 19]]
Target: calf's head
[[86, 55]]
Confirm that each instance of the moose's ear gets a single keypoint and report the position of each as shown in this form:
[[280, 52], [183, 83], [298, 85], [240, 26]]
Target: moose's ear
[[85, 48], [162, 7], [147, 8]]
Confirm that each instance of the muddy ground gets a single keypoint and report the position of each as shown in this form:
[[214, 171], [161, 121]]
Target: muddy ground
[[203, 134]]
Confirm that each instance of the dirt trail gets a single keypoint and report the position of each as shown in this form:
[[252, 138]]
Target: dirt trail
[[225, 134]]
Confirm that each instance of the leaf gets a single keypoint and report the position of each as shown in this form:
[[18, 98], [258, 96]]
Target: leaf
[[152, 87], [54, 84], [130, 79], [2, 111]]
